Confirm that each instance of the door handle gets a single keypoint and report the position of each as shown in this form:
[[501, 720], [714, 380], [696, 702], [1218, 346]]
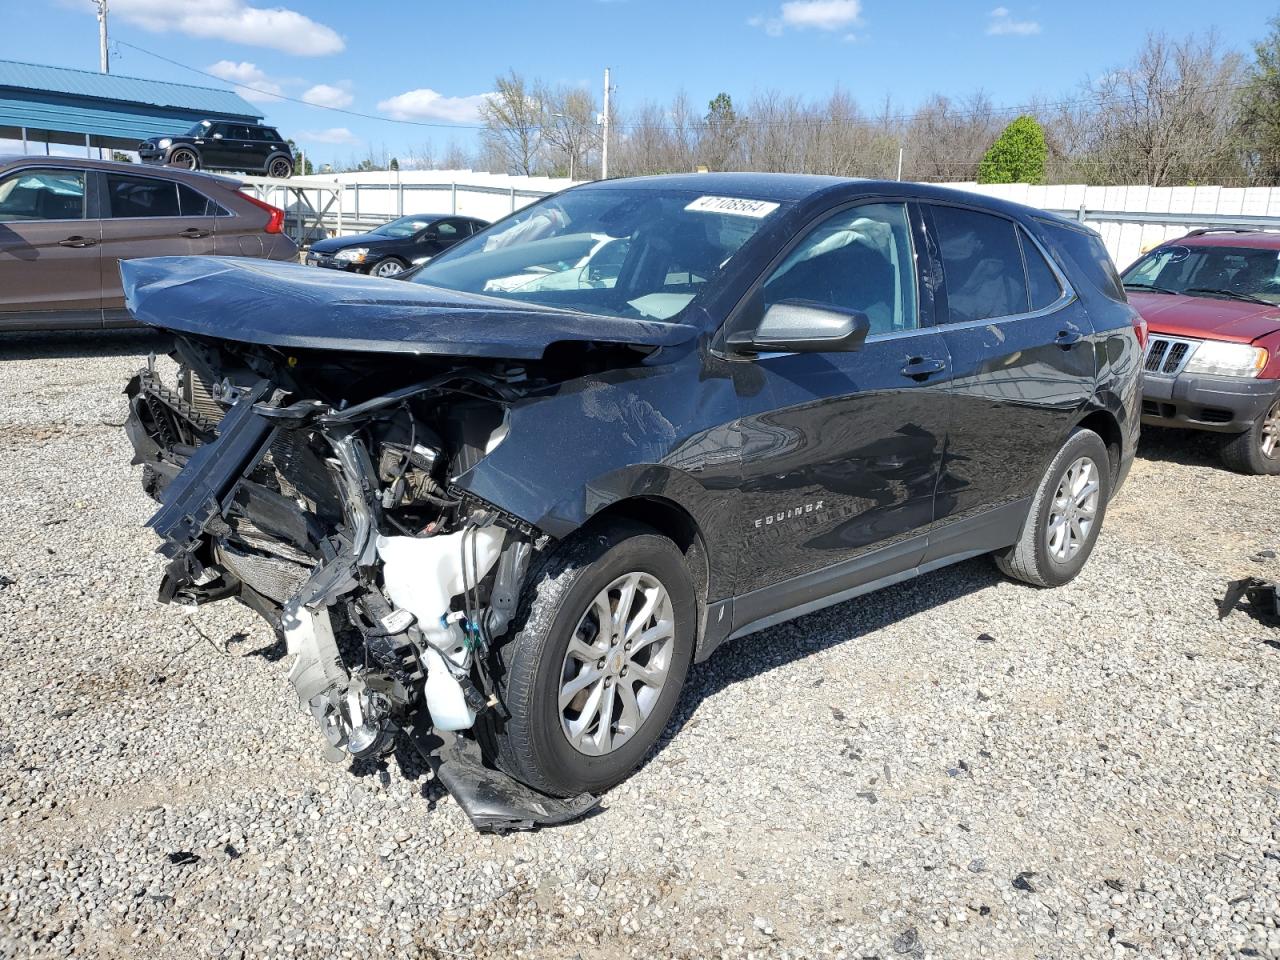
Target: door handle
[[77, 242], [1067, 338], [194, 233], [922, 368]]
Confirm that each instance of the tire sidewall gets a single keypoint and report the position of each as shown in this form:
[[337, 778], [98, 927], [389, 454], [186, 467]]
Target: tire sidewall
[[1258, 462], [182, 166], [374, 269], [1080, 444], [556, 759]]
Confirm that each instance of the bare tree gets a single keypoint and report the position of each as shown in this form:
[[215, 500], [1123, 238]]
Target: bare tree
[[1167, 118], [570, 132], [514, 120]]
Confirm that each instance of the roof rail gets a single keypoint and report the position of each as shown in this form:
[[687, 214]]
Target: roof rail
[[1200, 231]]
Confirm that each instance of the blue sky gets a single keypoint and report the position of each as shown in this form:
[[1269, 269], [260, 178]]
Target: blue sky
[[432, 60]]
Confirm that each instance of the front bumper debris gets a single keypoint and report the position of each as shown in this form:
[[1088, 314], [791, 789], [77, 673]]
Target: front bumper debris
[[1199, 402], [1263, 597], [387, 586]]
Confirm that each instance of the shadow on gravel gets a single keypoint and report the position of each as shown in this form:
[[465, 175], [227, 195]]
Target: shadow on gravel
[[87, 343], [1191, 448], [844, 623]]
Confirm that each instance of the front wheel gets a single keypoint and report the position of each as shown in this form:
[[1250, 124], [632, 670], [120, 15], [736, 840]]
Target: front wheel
[[186, 159], [1065, 517], [1257, 450], [602, 647], [389, 267]]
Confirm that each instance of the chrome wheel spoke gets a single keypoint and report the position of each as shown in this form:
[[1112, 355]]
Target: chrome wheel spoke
[[630, 718], [659, 631], [579, 727], [588, 675], [604, 731], [648, 674]]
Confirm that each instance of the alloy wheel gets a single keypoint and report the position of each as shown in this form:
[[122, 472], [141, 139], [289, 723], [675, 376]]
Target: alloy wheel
[[388, 268], [617, 663], [1074, 510], [280, 168], [1270, 440], [183, 158]]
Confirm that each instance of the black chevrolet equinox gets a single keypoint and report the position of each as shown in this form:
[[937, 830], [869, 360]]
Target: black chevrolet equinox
[[496, 512]]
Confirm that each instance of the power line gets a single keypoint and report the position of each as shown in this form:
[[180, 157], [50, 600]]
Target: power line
[[696, 123]]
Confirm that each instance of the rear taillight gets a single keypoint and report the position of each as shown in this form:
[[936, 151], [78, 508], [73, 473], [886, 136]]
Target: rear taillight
[[1140, 328], [275, 216]]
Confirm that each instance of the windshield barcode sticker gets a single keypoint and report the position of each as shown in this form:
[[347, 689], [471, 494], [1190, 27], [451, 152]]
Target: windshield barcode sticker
[[733, 206]]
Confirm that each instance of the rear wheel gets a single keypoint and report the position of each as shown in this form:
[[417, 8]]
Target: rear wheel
[[280, 168], [1065, 517], [595, 669], [1257, 450], [186, 159], [388, 267]]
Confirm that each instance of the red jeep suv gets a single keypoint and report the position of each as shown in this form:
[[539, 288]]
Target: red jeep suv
[[1212, 305]]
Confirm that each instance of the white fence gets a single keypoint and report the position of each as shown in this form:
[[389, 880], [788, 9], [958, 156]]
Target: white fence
[[1130, 219], [1134, 219]]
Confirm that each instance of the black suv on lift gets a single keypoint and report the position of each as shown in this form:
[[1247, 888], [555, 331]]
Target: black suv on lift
[[223, 145], [512, 499]]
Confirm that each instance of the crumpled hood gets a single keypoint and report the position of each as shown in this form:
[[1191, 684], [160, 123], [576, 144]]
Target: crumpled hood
[[1205, 317], [289, 305]]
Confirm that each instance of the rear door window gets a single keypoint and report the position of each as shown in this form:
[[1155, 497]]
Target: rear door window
[[981, 265], [42, 195], [1042, 284], [141, 197], [1084, 250], [193, 203]]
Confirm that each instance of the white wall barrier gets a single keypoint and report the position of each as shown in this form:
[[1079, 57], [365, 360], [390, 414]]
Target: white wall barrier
[[1131, 219]]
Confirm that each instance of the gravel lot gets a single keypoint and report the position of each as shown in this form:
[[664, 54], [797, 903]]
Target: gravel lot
[[958, 766]]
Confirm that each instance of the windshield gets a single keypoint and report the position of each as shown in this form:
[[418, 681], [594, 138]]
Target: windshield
[[200, 129], [404, 227], [605, 250], [1238, 273]]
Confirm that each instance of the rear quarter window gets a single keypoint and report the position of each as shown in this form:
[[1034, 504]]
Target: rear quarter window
[[1083, 250]]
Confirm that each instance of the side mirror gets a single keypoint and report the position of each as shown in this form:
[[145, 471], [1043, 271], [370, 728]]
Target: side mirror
[[217, 136], [803, 326]]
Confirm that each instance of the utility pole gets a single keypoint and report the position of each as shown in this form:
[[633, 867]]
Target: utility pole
[[900, 163], [104, 59], [604, 121]]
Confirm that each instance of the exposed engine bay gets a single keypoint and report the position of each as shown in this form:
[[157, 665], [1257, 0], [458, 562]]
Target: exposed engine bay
[[317, 489]]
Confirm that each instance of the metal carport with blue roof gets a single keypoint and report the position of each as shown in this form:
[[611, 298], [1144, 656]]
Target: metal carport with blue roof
[[41, 105]]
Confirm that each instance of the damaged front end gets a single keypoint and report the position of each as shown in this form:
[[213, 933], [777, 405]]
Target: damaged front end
[[316, 489]]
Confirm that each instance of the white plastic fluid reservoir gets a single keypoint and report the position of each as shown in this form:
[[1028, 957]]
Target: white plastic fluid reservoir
[[422, 574], [445, 699]]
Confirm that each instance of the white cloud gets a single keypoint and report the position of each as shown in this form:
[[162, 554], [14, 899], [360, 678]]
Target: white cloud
[[425, 104], [822, 14], [251, 82], [1000, 23], [337, 135], [828, 15], [235, 20], [327, 95]]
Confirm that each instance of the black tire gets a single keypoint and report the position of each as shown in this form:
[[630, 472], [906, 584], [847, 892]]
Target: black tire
[[532, 745], [1030, 559], [184, 158], [1246, 452], [281, 168], [388, 267]]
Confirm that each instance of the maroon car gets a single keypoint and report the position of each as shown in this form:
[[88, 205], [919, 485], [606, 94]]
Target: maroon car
[[65, 225], [1212, 304]]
